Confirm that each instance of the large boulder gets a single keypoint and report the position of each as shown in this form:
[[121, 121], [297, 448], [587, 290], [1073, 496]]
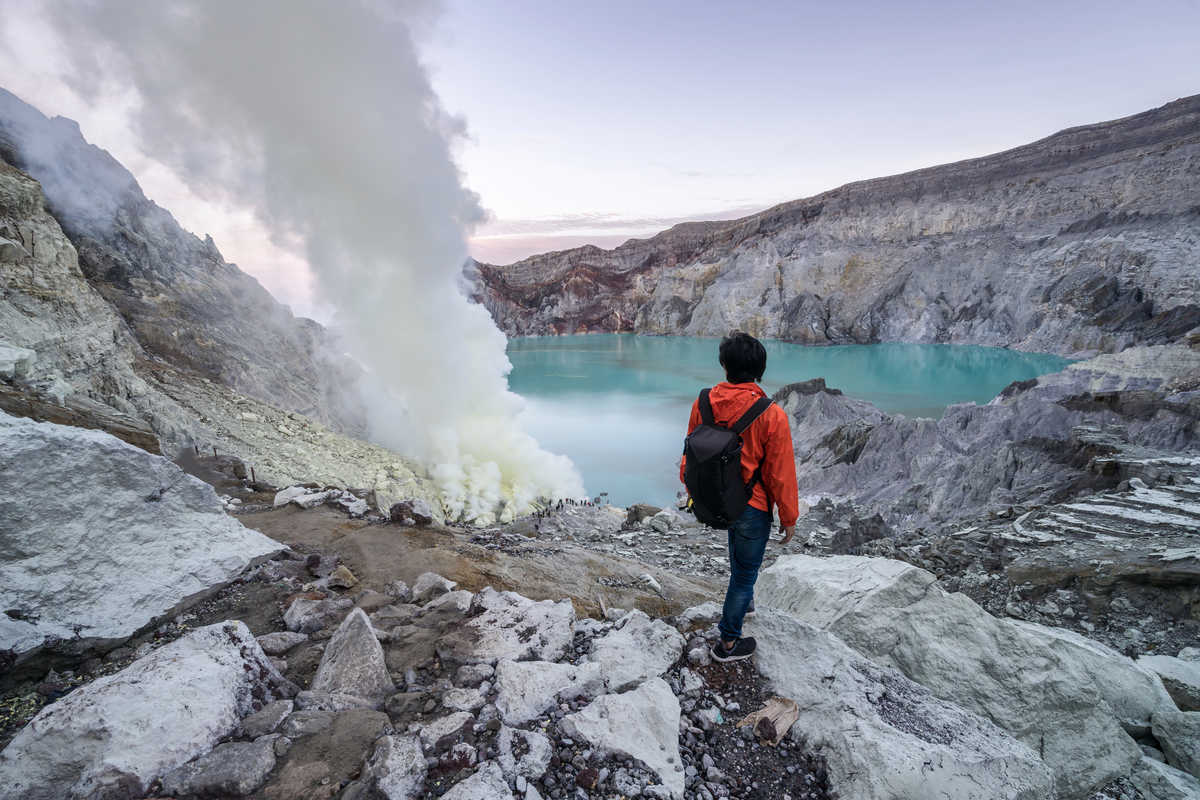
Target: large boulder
[[509, 626], [897, 615], [1180, 677], [101, 538], [884, 736], [116, 735], [1179, 734], [641, 724], [1158, 781], [525, 689]]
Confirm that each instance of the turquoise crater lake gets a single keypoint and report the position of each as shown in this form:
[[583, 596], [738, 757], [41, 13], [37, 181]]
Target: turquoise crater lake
[[618, 404]]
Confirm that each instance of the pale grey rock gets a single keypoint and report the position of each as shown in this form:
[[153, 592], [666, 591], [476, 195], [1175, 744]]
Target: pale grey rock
[[267, 719], [463, 699], [1157, 781], [704, 614], [641, 724], [636, 649], [164, 536], [471, 675], [879, 731], [279, 642], [429, 585], [393, 615], [233, 768], [1180, 677], [353, 663], [1081, 241], [526, 689], [306, 615], [1189, 654], [399, 591], [487, 783], [287, 495], [1132, 691], [15, 362], [432, 732], [123, 731], [533, 763], [396, 767], [1179, 734], [513, 627], [458, 601], [897, 615], [306, 722]]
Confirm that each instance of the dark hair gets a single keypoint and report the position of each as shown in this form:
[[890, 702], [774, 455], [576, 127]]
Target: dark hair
[[743, 357]]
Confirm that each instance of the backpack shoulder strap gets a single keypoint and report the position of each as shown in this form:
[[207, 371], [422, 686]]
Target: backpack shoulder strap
[[753, 413], [706, 415]]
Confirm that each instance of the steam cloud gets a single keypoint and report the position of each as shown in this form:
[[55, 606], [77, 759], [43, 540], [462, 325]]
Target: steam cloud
[[320, 116]]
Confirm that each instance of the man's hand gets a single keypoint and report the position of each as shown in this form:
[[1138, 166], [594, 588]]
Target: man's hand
[[788, 533]]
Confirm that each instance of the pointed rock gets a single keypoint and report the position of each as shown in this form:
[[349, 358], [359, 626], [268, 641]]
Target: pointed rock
[[353, 663]]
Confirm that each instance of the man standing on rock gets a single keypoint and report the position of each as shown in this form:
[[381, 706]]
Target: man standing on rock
[[736, 416]]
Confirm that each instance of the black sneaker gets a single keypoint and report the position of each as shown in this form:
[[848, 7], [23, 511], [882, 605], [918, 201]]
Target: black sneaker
[[742, 648]]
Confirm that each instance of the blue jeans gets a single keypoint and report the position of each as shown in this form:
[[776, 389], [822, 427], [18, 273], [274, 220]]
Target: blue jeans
[[747, 542]]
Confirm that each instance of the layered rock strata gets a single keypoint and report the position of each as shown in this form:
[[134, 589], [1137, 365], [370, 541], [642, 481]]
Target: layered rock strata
[[1082, 241]]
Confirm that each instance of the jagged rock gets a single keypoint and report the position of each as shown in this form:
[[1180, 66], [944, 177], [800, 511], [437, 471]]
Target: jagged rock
[[1179, 734], [880, 732], [285, 496], [122, 731], [1133, 692], [1032, 254], [704, 614], [233, 768], [266, 720], [487, 783], [342, 578], [636, 649], [306, 615], [396, 767], [165, 537], [1181, 679], [536, 758], [411, 512], [641, 724], [433, 732], [512, 627], [429, 585], [279, 642], [896, 614], [456, 601], [525, 689], [353, 663], [1157, 781]]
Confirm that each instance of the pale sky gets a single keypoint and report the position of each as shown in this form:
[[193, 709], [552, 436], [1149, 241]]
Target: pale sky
[[595, 122]]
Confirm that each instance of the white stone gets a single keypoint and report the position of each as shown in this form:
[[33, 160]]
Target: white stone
[[285, 496], [897, 615], [487, 783], [429, 585], [128, 729], [704, 614], [641, 724], [458, 600], [396, 767], [532, 765], [15, 362], [526, 689], [1157, 781], [1180, 677], [432, 731], [1179, 734], [463, 699], [1133, 691], [885, 737], [353, 662], [131, 538], [279, 642], [306, 615], [636, 649], [515, 627]]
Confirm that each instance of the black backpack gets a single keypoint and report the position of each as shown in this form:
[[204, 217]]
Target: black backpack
[[713, 471]]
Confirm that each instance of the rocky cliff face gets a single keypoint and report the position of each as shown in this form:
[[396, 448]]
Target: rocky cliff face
[[1083, 241], [182, 302]]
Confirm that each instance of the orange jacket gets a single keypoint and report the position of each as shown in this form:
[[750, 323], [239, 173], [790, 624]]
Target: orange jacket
[[768, 441]]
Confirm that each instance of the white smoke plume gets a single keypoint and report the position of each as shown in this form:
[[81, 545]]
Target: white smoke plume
[[320, 116]]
